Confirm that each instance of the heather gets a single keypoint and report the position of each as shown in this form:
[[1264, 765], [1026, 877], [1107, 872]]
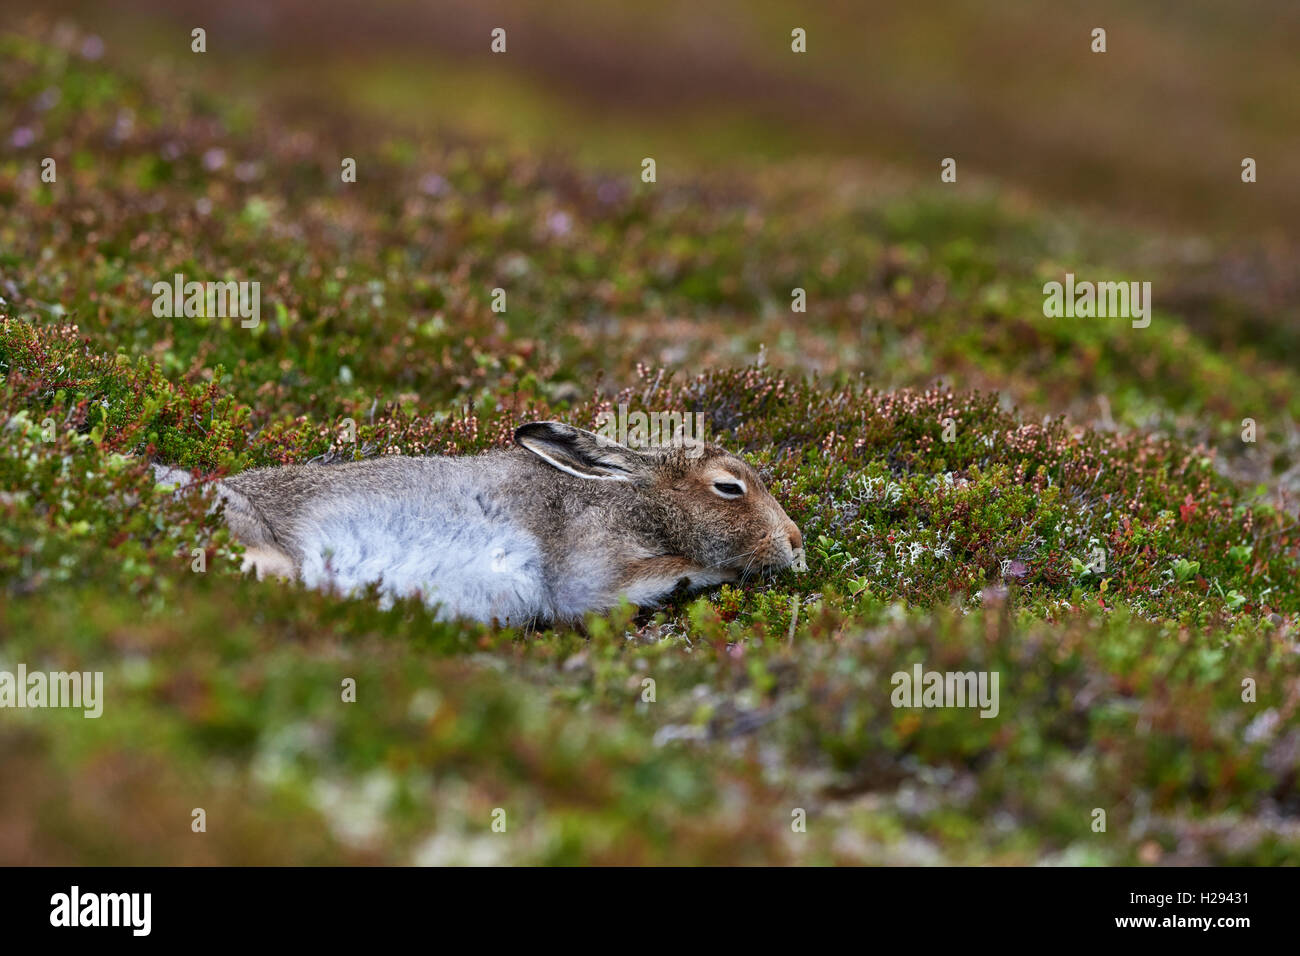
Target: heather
[[956, 462]]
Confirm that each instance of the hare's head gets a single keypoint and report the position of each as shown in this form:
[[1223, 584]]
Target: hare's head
[[698, 501]]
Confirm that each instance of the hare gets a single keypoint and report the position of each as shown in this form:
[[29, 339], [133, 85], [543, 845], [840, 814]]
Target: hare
[[565, 523]]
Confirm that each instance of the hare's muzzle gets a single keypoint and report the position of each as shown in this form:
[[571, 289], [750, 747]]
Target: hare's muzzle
[[782, 546], [798, 563], [793, 536]]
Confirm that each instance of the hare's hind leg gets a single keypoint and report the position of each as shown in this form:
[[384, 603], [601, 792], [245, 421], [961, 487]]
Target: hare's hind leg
[[268, 561], [263, 552]]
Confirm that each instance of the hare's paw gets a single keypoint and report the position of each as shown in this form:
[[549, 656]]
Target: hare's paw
[[653, 579]]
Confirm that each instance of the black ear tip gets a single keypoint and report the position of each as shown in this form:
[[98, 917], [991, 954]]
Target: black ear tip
[[538, 430]]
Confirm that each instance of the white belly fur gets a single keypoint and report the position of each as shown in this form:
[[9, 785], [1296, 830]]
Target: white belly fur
[[459, 558]]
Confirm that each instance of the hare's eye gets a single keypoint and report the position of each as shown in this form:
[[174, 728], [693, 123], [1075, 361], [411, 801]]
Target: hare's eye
[[729, 489]]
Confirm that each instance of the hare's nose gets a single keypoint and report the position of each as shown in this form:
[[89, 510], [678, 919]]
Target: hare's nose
[[792, 532]]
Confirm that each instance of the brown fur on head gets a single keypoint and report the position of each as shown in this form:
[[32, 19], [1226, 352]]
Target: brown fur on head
[[700, 504]]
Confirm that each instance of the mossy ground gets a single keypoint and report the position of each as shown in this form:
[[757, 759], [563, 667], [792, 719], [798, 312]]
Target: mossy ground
[[1122, 688]]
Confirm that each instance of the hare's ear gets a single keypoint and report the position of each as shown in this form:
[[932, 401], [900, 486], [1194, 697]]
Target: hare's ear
[[581, 453]]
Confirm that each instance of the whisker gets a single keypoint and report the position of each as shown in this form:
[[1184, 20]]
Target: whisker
[[735, 557]]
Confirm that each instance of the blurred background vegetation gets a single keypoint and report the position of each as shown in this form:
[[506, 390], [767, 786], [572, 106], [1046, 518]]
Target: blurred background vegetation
[[1127, 161], [1151, 132]]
